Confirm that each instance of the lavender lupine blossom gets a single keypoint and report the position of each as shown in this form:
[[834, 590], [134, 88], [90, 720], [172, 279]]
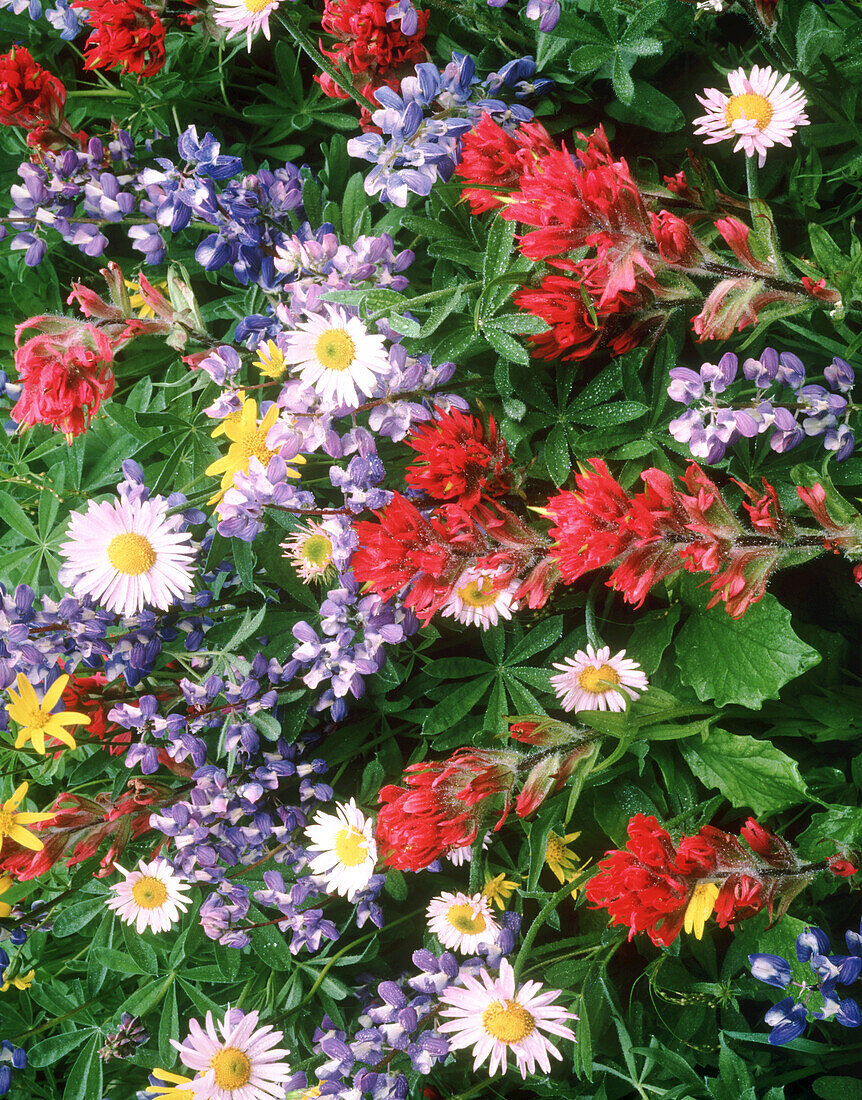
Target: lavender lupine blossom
[[789, 1018], [544, 12], [61, 17], [713, 423]]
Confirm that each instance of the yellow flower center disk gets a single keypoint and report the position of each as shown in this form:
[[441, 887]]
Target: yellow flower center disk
[[350, 847], [509, 1022], [598, 681], [334, 349], [36, 718], [462, 919], [149, 892], [253, 444], [317, 550], [753, 107], [231, 1067], [478, 593], [131, 554]]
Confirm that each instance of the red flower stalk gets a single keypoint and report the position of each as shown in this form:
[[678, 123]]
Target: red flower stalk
[[126, 34], [376, 52], [30, 96], [494, 157], [650, 885], [80, 826], [84, 693], [459, 460], [441, 806]]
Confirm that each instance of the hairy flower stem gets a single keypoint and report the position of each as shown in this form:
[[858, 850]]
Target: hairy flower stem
[[552, 903]]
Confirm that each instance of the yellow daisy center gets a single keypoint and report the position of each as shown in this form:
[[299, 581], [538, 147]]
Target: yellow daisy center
[[149, 892], [231, 1067], [509, 1022], [463, 919], [478, 593], [350, 847], [131, 554], [751, 106], [36, 718], [334, 349], [598, 681], [253, 444], [316, 550]]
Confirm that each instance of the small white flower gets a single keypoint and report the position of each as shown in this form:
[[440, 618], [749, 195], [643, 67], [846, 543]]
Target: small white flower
[[347, 849], [462, 921], [494, 1017], [594, 680], [335, 355], [765, 109], [150, 897], [475, 602], [244, 1064], [249, 16], [128, 555]]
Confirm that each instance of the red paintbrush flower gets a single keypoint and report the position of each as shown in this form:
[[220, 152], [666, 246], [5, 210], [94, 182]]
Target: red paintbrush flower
[[457, 461], [374, 50], [126, 34], [30, 96], [498, 158], [441, 806]]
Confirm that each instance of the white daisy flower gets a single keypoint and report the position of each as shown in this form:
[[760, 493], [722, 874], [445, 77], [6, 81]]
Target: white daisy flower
[[249, 16], [128, 555], [348, 850], [495, 1017], [244, 1064], [475, 602], [462, 921], [594, 680], [337, 357], [150, 897], [309, 550], [765, 109]]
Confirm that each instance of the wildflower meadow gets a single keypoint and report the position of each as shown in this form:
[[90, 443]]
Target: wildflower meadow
[[430, 549]]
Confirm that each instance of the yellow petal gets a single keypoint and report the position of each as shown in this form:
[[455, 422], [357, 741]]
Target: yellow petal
[[64, 736], [18, 797], [26, 839], [70, 718], [29, 818], [52, 695]]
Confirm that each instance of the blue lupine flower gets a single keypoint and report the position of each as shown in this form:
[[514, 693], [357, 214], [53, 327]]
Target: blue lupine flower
[[787, 1019], [772, 969]]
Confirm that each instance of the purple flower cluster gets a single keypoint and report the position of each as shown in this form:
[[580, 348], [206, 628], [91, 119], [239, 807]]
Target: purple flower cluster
[[712, 424], [11, 1057], [790, 1017], [421, 129], [544, 12]]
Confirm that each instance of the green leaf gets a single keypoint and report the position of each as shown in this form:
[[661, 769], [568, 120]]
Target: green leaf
[[117, 961], [506, 345], [743, 660], [13, 514], [77, 916], [623, 84], [455, 706], [586, 59], [748, 772], [652, 635], [269, 946], [140, 951], [556, 454], [650, 108], [501, 241], [85, 1079], [646, 17], [169, 1026], [396, 885], [56, 1047], [840, 825], [539, 638], [608, 416]]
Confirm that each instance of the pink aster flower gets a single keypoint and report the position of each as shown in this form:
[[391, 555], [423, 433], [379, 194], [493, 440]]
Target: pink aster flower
[[150, 897], [244, 16], [594, 680], [495, 1016], [462, 921], [765, 109], [244, 1064]]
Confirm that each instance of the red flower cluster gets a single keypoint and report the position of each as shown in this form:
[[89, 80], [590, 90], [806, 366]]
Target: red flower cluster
[[639, 257], [656, 533], [441, 807], [81, 825], [374, 50], [649, 886], [34, 99], [457, 462], [84, 694], [126, 34]]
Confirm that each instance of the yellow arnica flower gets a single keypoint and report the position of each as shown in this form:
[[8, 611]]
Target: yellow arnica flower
[[137, 302], [231, 418], [174, 1089], [5, 883], [270, 361], [499, 889], [700, 908], [248, 441], [561, 860], [20, 981], [11, 823], [35, 718]]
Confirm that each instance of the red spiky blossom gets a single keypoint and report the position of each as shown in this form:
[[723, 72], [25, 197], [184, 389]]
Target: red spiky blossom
[[441, 806], [494, 157], [648, 886], [459, 459], [376, 52], [126, 34], [30, 96]]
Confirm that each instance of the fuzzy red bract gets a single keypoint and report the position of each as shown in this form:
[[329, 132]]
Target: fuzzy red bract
[[498, 158], [458, 460], [30, 96], [376, 52], [126, 34]]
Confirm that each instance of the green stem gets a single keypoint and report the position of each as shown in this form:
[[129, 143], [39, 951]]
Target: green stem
[[306, 43], [431, 296], [116, 93], [560, 896], [590, 616], [751, 181], [56, 1020]]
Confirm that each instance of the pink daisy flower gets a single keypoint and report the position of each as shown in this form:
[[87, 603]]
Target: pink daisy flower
[[496, 1017], [244, 1064], [765, 109], [476, 602], [244, 16], [462, 921], [151, 897], [594, 680]]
